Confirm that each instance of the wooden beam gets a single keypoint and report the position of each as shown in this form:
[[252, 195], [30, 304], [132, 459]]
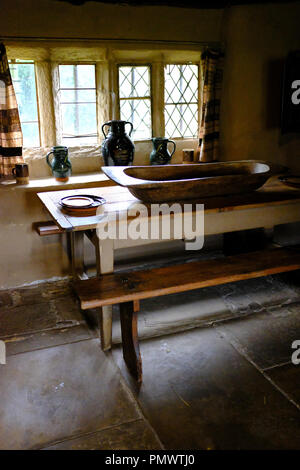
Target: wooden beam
[[200, 4]]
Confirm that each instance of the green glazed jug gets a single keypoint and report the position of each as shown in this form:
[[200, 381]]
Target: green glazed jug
[[60, 165], [160, 154]]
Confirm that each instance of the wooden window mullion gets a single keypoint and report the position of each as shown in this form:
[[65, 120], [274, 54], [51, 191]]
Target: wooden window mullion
[[158, 101]]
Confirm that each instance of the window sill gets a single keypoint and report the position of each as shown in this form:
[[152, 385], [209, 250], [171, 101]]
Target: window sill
[[87, 180]]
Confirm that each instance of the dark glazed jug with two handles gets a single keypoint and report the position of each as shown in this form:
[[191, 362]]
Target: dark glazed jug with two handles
[[160, 154], [117, 148]]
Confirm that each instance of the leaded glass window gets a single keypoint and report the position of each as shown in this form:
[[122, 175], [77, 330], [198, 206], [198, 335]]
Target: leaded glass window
[[135, 99], [181, 100]]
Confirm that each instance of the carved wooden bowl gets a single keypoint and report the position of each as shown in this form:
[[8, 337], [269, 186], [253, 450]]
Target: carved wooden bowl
[[162, 183]]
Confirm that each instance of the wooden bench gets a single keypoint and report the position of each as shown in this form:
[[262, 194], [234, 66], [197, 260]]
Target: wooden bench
[[127, 288], [47, 228]]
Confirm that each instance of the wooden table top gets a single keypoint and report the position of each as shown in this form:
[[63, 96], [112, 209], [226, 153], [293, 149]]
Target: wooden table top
[[119, 199]]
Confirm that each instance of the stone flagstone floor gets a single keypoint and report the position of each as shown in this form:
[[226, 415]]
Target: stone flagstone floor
[[217, 371]]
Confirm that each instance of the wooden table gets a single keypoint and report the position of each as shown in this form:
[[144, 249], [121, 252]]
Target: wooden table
[[272, 205]]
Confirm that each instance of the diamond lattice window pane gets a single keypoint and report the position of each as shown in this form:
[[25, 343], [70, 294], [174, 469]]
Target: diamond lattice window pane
[[181, 120], [135, 99], [134, 81], [181, 100], [139, 113]]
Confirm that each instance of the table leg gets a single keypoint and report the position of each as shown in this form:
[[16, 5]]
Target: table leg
[[105, 265], [77, 255], [69, 246]]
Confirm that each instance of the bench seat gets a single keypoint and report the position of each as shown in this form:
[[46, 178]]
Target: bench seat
[[47, 228], [127, 288]]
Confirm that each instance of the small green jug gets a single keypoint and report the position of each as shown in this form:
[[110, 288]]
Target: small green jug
[[60, 165], [160, 154]]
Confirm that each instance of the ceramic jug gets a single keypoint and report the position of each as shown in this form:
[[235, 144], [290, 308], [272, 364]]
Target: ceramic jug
[[160, 154], [60, 165], [117, 148]]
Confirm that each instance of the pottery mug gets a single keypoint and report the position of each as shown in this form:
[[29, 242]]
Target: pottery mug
[[21, 173], [188, 156]]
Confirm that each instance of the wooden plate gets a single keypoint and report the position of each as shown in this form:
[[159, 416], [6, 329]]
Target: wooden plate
[[84, 211], [291, 180], [76, 202]]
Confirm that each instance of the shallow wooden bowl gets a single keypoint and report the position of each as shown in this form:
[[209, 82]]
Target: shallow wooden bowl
[[161, 183]]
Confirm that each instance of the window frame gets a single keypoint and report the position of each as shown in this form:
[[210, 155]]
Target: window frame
[[106, 57], [26, 62], [57, 103], [199, 93], [135, 64], [157, 102]]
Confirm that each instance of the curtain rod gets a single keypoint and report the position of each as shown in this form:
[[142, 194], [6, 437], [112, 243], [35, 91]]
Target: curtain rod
[[126, 41]]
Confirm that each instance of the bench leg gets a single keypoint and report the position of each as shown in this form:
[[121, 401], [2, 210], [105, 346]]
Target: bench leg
[[130, 343]]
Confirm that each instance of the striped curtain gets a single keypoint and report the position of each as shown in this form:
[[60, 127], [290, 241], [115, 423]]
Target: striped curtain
[[212, 69], [11, 139]]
